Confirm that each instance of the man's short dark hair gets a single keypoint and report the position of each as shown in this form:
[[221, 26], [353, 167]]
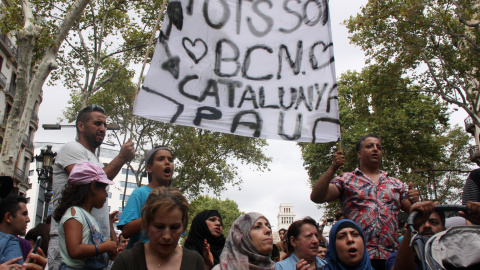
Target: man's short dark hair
[[440, 213], [339, 215], [84, 114], [363, 138], [11, 204], [295, 229]]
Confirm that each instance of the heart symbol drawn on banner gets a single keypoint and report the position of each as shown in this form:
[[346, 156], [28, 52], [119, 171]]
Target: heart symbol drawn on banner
[[193, 50]]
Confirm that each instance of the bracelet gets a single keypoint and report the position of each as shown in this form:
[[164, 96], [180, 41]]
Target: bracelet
[[96, 249]]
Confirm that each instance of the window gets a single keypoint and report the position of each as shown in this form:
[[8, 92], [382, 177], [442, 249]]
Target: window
[[120, 209], [109, 196], [109, 209], [129, 185], [126, 197], [30, 173]]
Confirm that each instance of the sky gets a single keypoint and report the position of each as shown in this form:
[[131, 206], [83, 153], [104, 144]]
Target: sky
[[287, 180]]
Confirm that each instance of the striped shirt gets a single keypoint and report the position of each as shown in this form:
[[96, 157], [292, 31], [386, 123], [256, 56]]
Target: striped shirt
[[471, 191]]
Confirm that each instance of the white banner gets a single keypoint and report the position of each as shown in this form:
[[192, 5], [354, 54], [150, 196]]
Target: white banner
[[257, 68]]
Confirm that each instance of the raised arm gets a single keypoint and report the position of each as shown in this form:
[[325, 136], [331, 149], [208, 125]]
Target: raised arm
[[127, 153], [323, 191], [406, 255]]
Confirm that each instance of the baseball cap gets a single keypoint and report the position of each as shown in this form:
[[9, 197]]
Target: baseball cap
[[85, 172], [152, 152]]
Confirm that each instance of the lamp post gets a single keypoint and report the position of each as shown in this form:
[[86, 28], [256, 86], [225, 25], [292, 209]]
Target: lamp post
[[45, 162]]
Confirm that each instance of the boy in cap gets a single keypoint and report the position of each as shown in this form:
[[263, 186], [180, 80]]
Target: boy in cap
[[160, 165]]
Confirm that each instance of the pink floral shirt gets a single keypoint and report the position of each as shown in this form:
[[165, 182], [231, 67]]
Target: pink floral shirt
[[374, 207]]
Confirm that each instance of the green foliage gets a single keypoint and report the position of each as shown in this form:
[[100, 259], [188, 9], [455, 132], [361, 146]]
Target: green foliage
[[227, 208], [413, 126], [436, 42]]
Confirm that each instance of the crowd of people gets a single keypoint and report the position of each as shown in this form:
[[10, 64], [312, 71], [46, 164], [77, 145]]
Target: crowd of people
[[81, 235]]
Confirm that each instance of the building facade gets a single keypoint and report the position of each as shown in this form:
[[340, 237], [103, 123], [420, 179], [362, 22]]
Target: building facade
[[8, 77], [285, 217]]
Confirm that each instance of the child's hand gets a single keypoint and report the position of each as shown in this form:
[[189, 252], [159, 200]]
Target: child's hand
[[112, 217], [110, 247]]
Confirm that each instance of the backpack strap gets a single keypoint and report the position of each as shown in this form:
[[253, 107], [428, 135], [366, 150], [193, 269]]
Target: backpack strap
[[92, 230]]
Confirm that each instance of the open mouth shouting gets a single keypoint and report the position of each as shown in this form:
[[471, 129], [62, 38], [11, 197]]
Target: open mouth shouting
[[352, 252], [167, 171]]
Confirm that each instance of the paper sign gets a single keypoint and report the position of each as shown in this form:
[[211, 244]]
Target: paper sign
[[258, 68]]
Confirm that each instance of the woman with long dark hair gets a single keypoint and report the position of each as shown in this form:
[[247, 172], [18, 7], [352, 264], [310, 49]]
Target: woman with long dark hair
[[82, 246]]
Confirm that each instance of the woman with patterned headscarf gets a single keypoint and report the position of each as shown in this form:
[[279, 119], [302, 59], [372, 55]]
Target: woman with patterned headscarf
[[249, 244], [206, 236]]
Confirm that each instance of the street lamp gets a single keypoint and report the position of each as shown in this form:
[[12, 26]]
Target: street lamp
[[45, 162]]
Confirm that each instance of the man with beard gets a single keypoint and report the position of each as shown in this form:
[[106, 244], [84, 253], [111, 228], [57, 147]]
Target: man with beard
[[160, 168], [91, 126], [427, 224], [368, 196]]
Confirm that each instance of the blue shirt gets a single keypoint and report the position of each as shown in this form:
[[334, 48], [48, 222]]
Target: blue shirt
[[9, 248], [133, 211], [290, 263]]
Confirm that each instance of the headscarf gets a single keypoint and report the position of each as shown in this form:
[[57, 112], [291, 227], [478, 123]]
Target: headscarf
[[239, 252], [199, 232], [333, 262]]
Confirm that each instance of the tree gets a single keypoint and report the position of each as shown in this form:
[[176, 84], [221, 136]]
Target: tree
[[22, 19], [109, 31], [413, 126], [436, 42], [204, 160], [227, 208]]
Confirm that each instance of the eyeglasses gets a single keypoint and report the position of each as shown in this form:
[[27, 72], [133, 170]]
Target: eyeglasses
[[92, 108]]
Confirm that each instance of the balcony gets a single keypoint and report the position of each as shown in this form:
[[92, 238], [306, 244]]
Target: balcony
[[25, 140], [9, 45], [3, 80], [34, 120], [20, 174], [12, 89], [469, 125], [474, 154]]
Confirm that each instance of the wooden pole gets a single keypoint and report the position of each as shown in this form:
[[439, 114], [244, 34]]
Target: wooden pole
[[152, 37]]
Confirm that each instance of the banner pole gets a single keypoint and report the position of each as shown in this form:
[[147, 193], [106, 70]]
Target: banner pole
[[339, 146], [160, 15]]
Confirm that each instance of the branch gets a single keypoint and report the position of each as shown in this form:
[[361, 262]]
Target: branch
[[85, 48], [109, 78], [73, 14], [75, 77], [121, 51]]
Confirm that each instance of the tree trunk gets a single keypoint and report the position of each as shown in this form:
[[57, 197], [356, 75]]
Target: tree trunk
[[28, 90]]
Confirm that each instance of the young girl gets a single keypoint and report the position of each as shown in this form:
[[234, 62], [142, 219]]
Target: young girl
[[81, 242]]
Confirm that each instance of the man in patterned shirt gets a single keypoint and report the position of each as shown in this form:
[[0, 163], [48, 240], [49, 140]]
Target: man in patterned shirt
[[369, 197]]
